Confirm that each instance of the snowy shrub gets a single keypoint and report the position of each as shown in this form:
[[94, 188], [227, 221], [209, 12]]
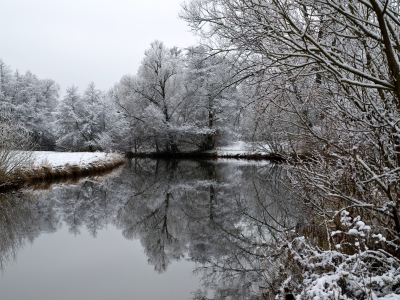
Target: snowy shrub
[[352, 267]]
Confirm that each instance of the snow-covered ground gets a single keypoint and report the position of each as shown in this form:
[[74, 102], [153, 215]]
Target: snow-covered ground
[[391, 296], [242, 148], [242, 162], [60, 159]]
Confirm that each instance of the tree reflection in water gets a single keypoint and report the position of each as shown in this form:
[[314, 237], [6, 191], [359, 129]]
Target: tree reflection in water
[[221, 215], [22, 220]]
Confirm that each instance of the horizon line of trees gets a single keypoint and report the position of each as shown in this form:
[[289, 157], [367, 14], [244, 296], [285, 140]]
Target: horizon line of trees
[[179, 100]]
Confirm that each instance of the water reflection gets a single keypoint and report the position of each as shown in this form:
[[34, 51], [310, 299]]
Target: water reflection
[[220, 215], [21, 221]]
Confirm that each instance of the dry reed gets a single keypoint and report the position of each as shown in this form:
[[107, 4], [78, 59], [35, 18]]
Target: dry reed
[[33, 175]]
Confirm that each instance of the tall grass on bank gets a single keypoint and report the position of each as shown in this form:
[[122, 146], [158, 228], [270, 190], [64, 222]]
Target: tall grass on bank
[[31, 174], [15, 145]]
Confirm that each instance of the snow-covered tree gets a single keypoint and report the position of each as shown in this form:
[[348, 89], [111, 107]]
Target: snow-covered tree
[[93, 116], [151, 102], [327, 73], [84, 122], [68, 121], [135, 134], [159, 85], [31, 100], [212, 104], [177, 101]]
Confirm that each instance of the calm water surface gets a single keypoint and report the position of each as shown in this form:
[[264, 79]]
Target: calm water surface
[[155, 230]]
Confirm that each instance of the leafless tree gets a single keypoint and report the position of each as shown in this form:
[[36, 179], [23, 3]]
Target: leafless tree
[[327, 79]]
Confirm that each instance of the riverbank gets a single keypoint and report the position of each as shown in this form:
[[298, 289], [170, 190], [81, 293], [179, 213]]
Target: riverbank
[[237, 150], [47, 166], [206, 155]]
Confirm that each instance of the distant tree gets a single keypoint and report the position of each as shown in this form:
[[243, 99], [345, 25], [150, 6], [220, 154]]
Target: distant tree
[[33, 105], [68, 121], [93, 116], [31, 101], [134, 133], [86, 122], [212, 103], [5, 84], [74, 119], [152, 101], [177, 101], [159, 85]]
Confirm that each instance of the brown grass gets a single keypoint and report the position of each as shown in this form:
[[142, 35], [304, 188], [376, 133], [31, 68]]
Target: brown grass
[[46, 174]]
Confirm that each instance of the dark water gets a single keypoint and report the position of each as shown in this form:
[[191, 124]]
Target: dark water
[[156, 230]]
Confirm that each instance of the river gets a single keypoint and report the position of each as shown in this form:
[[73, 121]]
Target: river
[[155, 229]]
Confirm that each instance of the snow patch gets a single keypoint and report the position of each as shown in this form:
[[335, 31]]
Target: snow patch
[[60, 159], [243, 148]]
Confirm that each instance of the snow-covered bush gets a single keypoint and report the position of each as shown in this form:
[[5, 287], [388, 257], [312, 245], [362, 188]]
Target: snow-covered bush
[[356, 264]]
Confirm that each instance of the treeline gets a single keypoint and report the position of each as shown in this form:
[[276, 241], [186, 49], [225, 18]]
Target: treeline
[[31, 101], [179, 100]]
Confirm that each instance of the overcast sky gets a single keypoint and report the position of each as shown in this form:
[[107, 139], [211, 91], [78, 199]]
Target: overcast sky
[[80, 41]]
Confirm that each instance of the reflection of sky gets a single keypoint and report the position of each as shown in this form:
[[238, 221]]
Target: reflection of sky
[[177, 209], [63, 266]]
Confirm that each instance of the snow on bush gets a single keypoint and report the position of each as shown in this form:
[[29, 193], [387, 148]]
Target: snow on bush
[[348, 269]]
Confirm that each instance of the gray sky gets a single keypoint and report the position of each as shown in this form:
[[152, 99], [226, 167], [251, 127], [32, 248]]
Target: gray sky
[[80, 41]]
